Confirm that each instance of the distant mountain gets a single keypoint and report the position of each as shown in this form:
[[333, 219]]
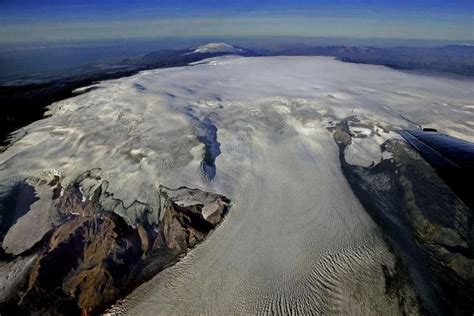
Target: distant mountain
[[218, 48], [188, 55], [451, 59]]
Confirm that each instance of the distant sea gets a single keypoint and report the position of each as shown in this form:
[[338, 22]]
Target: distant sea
[[39, 60]]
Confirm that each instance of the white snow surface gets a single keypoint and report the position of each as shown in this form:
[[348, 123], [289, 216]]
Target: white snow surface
[[217, 48], [296, 236]]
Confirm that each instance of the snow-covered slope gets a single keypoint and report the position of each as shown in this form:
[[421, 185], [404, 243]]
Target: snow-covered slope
[[218, 48]]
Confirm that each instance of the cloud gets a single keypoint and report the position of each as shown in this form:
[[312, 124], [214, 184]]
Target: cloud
[[374, 25]]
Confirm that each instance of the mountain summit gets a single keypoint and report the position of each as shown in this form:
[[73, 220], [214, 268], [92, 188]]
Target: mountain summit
[[218, 48]]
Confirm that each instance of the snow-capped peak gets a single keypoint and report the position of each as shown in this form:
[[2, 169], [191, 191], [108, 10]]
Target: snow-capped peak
[[217, 48]]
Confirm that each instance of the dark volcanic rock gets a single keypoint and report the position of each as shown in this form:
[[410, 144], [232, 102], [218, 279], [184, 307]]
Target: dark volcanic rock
[[84, 266], [95, 256], [429, 226]]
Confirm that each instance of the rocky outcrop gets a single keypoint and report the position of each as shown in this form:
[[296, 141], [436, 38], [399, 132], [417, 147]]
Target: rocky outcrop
[[93, 255], [429, 226]]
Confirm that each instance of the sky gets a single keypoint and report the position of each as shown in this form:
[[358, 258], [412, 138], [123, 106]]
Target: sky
[[71, 20]]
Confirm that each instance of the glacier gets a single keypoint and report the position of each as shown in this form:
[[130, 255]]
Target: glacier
[[297, 238]]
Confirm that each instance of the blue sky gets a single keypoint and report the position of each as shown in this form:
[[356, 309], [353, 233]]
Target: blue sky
[[58, 20]]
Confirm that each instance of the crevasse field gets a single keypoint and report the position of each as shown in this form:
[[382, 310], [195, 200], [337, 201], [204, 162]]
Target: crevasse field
[[296, 237]]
